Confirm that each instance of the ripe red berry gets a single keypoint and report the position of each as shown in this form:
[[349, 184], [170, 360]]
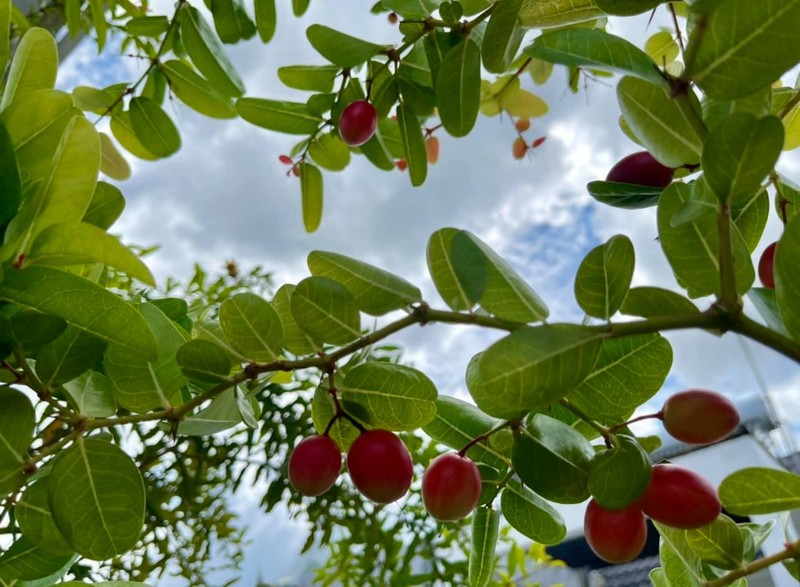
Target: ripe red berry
[[766, 267], [380, 466], [401, 164], [314, 465], [697, 416], [358, 122], [392, 18], [432, 149], [680, 498], [451, 487], [522, 124], [641, 169], [519, 148], [616, 536], [538, 142], [285, 159]]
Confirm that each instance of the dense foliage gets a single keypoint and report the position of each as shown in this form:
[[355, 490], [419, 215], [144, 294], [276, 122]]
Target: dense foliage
[[127, 413]]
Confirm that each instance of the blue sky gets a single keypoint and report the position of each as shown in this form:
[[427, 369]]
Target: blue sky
[[225, 195]]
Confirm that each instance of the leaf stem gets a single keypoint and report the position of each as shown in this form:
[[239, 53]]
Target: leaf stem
[[792, 550], [789, 105], [485, 436], [604, 432]]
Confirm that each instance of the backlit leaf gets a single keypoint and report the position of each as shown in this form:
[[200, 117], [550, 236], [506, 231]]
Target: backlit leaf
[[530, 514], [339, 48], [760, 490], [153, 127], [485, 526], [33, 68], [458, 88], [604, 277], [311, 190], [252, 327], [16, 433], [325, 310]]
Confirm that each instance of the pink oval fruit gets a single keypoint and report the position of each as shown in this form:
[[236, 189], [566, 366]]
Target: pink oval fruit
[[697, 416], [358, 123], [680, 498], [314, 465], [451, 487], [641, 169], [616, 536], [380, 466], [766, 267]]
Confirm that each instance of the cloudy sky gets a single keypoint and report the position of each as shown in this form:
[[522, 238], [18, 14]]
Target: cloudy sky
[[224, 195]]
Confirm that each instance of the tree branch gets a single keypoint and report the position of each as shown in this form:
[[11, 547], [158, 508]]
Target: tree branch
[[792, 550]]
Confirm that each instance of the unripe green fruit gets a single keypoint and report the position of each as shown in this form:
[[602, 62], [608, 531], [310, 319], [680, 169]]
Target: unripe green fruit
[[314, 465], [380, 466], [616, 536], [698, 416], [451, 487], [641, 169], [679, 498], [358, 123]]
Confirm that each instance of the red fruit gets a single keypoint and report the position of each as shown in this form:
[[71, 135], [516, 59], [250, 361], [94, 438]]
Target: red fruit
[[380, 466], [314, 465], [698, 416], [401, 164], [392, 18], [766, 267], [538, 142], [523, 124], [432, 149], [519, 148], [451, 487], [358, 122], [616, 536], [285, 159], [680, 498], [641, 169], [296, 170]]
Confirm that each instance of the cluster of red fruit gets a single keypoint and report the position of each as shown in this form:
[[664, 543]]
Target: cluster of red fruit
[[380, 467], [675, 496], [520, 145]]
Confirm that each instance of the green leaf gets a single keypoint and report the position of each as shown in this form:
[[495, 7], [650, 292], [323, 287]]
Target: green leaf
[[624, 195], [538, 14], [458, 88], [681, 565], [92, 394], [326, 311], [10, 181], [595, 49], [112, 163], [758, 103], [203, 360], [604, 277], [457, 423], [16, 433], [787, 278], [97, 9], [33, 68], [69, 355], [739, 153], [77, 243], [36, 521], [339, 48], [503, 36], [154, 128], [413, 144], [313, 78], [266, 19], [760, 490], [97, 101], [311, 191], [692, 249], [122, 129], [65, 193], [5, 26], [619, 476], [442, 270], [26, 561], [553, 459], [207, 54], [751, 218], [105, 207], [323, 411], [738, 35], [662, 48], [766, 303], [196, 92], [330, 152], [648, 302], [144, 385], [670, 128], [485, 526], [628, 371], [89, 307], [299, 7], [531, 368], [147, 26], [376, 291], [720, 543], [221, 414], [627, 7], [97, 498], [36, 125], [231, 21], [505, 294], [252, 327], [294, 339], [31, 330], [531, 515], [286, 117], [389, 396]]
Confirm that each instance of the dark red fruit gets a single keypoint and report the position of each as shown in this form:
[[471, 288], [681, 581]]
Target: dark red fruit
[[401, 164], [451, 487], [314, 465], [616, 536], [680, 498], [392, 18], [538, 142], [641, 169], [358, 122], [380, 466], [285, 159], [766, 267], [698, 416]]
